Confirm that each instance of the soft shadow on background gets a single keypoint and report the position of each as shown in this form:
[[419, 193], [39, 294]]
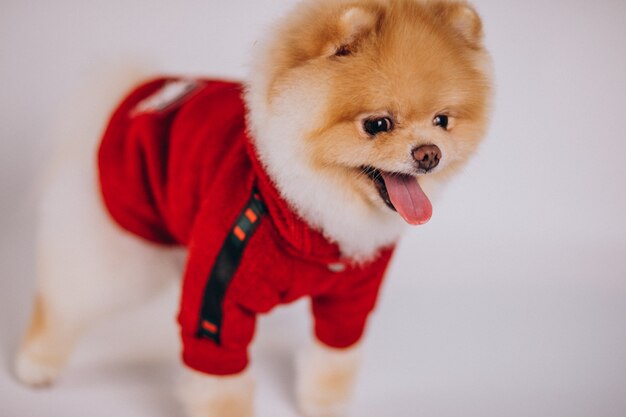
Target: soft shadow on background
[[509, 303]]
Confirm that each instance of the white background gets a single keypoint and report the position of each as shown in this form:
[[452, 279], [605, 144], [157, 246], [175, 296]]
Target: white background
[[511, 302]]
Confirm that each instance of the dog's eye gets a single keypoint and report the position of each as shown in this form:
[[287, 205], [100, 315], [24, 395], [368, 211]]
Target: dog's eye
[[441, 120], [378, 125], [343, 50]]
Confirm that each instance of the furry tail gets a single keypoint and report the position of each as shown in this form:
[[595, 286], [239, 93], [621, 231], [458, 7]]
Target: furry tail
[[90, 105], [79, 254]]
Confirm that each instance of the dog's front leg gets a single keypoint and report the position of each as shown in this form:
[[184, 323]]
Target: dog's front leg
[[325, 380], [204, 395], [327, 372]]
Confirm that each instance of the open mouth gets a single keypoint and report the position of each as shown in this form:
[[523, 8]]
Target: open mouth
[[402, 193]]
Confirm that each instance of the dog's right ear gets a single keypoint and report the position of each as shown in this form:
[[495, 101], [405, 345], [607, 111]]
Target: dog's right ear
[[353, 25], [462, 18]]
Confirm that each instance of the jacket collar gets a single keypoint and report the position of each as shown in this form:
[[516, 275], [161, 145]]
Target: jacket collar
[[299, 237]]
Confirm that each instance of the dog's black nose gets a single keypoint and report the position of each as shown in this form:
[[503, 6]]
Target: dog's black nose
[[427, 156]]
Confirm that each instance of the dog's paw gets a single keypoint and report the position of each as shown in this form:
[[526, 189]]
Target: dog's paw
[[325, 381], [216, 396], [34, 371]]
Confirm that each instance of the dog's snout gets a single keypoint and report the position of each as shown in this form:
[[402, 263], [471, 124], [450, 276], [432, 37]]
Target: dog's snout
[[427, 157]]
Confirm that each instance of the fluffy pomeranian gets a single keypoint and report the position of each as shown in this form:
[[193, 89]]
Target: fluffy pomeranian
[[297, 184]]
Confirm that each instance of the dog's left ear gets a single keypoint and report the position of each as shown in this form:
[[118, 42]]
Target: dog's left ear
[[354, 24], [463, 19]]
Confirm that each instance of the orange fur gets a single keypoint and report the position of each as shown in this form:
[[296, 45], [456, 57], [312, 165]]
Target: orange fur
[[37, 323], [406, 58]]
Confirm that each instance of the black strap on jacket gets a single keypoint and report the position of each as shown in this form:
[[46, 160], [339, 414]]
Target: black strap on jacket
[[226, 264]]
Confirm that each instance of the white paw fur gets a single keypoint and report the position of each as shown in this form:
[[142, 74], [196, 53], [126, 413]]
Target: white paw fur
[[325, 380], [34, 371], [205, 395]]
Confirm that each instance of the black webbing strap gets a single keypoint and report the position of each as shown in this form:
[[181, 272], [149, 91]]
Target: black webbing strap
[[228, 260]]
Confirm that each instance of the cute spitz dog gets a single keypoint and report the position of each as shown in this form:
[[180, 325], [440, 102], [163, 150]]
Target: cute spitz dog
[[297, 184]]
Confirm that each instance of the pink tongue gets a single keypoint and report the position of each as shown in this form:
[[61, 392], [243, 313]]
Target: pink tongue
[[408, 198]]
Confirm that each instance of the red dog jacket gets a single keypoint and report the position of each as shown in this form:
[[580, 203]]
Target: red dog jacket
[[177, 167]]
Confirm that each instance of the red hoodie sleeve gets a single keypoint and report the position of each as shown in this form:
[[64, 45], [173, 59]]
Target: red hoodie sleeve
[[341, 314], [228, 353]]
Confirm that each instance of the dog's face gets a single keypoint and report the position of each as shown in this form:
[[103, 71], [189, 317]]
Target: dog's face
[[395, 91]]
